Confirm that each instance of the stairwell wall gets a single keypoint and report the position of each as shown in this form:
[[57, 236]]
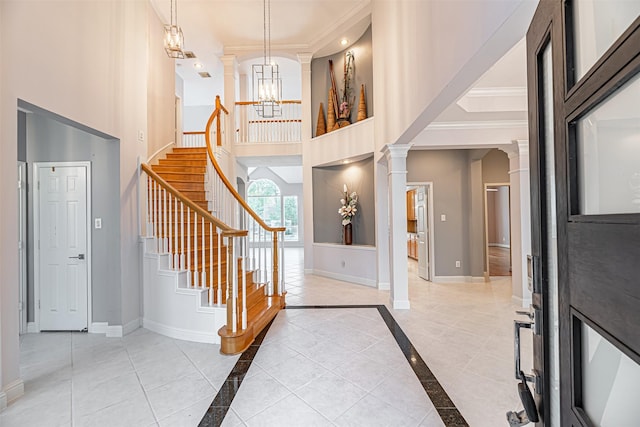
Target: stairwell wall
[[96, 59]]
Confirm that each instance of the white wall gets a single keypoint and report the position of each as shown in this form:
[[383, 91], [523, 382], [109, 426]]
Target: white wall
[[88, 62], [427, 53]]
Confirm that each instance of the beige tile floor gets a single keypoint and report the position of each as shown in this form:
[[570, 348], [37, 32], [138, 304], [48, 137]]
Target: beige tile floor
[[462, 331]]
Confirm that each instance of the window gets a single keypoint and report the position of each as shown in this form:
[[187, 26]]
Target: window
[[264, 197]]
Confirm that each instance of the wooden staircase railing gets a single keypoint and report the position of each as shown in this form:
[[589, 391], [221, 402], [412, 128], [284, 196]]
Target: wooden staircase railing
[[196, 242], [263, 246]]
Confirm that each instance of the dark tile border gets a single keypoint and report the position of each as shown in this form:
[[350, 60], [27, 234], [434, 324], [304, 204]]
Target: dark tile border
[[447, 410]]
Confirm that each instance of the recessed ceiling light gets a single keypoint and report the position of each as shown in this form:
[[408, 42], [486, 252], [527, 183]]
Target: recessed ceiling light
[[197, 65], [344, 42]]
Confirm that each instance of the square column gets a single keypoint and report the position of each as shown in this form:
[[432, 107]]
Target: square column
[[396, 156], [520, 220]]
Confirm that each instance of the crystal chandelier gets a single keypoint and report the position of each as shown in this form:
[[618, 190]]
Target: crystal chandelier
[[173, 37], [267, 84]]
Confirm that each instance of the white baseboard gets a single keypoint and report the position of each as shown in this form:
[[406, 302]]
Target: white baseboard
[[182, 334], [131, 326], [32, 328], [98, 328], [114, 331], [14, 390], [3, 401], [479, 279], [346, 278], [401, 305], [384, 286], [308, 271]]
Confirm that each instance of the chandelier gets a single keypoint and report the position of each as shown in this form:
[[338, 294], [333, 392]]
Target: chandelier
[[173, 38], [267, 84]]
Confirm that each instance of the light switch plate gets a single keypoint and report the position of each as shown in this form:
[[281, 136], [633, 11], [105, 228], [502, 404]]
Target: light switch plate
[[98, 223], [443, 217]]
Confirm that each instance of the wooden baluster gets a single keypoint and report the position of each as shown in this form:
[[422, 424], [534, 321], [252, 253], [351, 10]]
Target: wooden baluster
[[196, 275], [189, 245], [170, 241], [244, 287], [211, 289], [182, 260], [203, 280], [274, 257], [219, 266]]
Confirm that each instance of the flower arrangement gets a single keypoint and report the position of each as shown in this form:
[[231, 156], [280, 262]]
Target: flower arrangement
[[349, 206]]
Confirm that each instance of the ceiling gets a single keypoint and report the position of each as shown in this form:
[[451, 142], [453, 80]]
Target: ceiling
[[213, 28]]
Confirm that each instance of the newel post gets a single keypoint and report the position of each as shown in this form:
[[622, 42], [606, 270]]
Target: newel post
[[231, 297]]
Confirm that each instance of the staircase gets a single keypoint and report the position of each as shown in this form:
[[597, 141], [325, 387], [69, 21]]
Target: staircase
[[186, 292]]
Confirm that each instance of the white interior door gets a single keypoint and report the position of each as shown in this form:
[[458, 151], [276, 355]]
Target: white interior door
[[423, 232], [63, 266]]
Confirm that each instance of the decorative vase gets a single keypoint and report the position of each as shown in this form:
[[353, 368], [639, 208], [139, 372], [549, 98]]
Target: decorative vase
[[347, 232]]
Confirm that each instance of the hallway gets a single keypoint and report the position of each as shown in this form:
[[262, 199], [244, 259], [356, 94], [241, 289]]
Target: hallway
[[462, 331]]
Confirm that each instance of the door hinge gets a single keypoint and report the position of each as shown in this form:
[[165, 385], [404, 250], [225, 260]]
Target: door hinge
[[38, 304], [19, 185]]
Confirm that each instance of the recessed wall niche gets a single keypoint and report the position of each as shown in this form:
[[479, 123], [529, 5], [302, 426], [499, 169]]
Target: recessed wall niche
[[328, 184]]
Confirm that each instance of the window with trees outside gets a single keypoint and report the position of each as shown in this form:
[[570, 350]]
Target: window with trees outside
[[264, 197]]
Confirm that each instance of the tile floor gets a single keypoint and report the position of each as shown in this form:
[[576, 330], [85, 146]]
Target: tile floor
[[463, 332]]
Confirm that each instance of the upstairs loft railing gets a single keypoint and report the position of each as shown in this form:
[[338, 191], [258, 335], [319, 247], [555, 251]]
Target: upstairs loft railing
[[251, 128], [264, 243], [199, 245]]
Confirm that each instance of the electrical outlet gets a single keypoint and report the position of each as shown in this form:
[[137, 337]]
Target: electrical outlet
[[141, 135], [98, 223], [458, 264], [443, 217]]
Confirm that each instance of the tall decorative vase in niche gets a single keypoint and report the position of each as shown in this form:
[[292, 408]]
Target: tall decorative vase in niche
[[348, 234]]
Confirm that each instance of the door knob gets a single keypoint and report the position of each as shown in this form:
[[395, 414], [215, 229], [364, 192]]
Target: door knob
[[80, 256]]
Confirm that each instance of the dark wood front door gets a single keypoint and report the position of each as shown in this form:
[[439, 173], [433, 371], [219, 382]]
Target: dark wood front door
[[584, 114]]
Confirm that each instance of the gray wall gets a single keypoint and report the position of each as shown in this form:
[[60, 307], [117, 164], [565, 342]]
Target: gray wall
[[328, 185], [286, 189], [458, 178], [495, 167], [363, 74], [48, 140], [449, 172]]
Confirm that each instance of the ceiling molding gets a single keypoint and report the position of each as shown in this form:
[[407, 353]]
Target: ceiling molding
[[494, 99], [498, 124]]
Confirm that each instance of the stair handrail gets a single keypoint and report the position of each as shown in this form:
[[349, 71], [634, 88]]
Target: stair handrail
[[184, 199], [275, 230], [234, 192]]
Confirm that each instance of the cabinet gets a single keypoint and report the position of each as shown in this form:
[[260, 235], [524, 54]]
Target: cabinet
[[412, 245], [411, 205]]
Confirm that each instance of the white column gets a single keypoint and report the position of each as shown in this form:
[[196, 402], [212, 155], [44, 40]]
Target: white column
[[307, 184], [227, 159], [397, 180], [383, 231], [229, 99], [520, 219]]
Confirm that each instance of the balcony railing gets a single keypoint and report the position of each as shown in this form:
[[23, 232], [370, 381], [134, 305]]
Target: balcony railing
[[251, 128]]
